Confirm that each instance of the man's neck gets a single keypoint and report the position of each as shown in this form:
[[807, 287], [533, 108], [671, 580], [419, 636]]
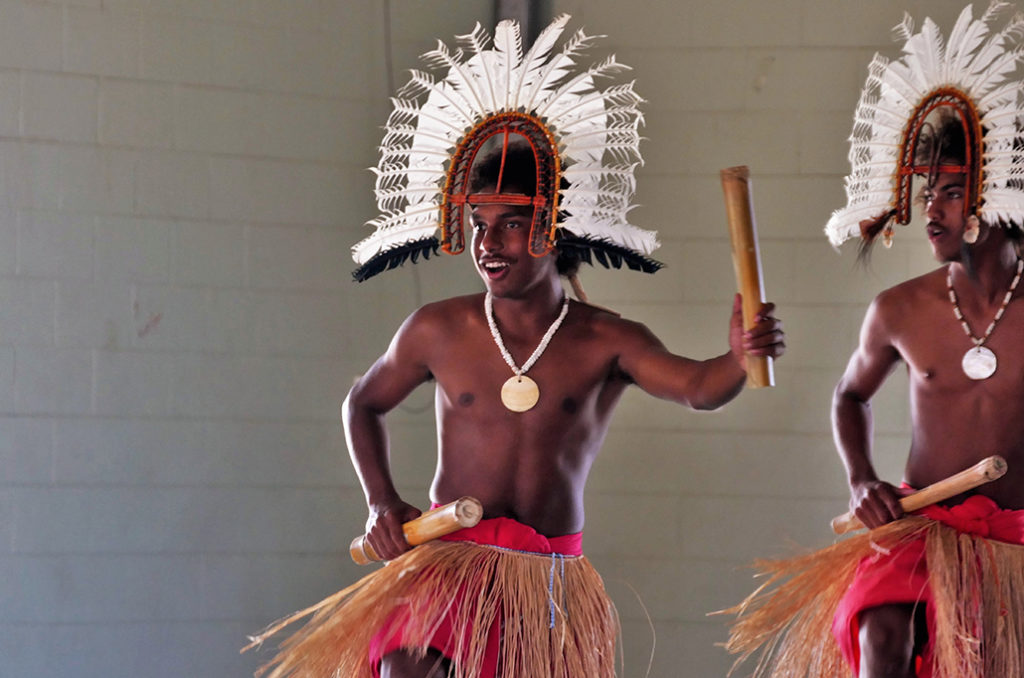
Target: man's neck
[[536, 308], [993, 265]]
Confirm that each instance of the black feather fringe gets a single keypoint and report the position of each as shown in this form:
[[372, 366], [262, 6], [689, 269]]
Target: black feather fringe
[[606, 253], [588, 250], [395, 257]]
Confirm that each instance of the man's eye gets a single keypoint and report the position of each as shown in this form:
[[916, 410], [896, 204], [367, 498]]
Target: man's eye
[[478, 226]]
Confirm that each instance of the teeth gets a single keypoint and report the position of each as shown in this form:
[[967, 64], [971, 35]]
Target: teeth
[[495, 265]]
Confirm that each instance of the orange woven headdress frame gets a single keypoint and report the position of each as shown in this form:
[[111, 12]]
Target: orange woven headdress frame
[[967, 114], [548, 178]]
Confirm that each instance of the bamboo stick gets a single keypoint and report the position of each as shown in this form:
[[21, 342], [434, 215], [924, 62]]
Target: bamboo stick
[[985, 471], [746, 260], [463, 512]]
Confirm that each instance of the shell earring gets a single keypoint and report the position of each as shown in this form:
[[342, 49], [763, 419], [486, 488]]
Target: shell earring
[[972, 230]]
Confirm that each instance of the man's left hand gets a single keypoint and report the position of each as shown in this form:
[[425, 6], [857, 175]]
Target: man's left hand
[[764, 338]]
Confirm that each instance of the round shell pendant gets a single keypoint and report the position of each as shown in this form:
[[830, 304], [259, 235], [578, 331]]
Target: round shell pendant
[[979, 363], [520, 393]]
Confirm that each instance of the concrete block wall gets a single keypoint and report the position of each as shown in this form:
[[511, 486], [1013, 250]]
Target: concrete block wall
[[180, 181]]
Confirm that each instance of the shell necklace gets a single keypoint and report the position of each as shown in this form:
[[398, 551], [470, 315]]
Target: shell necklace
[[520, 393], [980, 362]]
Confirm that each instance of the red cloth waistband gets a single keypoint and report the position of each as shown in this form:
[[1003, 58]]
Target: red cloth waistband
[[980, 515], [512, 534], [902, 577]]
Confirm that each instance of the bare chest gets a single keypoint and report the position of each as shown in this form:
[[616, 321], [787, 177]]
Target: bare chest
[[568, 376], [944, 358], [573, 383]]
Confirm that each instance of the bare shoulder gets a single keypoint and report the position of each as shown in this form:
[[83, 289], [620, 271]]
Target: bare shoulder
[[431, 326], [627, 345], [899, 314], [909, 299], [444, 315], [913, 289], [609, 325]]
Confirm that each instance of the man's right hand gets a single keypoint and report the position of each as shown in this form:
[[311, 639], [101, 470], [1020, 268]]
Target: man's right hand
[[876, 503], [384, 528]]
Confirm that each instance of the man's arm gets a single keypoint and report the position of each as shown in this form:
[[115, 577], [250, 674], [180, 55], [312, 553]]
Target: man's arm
[[700, 384], [873, 501], [386, 384]]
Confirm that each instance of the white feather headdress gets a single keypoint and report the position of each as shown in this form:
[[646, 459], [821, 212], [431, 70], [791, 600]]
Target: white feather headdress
[[969, 72], [586, 143]]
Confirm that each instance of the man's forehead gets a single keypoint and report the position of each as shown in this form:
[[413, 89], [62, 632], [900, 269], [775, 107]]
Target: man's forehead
[[946, 173], [943, 179], [503, 211]]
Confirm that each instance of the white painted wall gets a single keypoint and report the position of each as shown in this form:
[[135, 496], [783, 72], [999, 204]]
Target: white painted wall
[[180, 181]]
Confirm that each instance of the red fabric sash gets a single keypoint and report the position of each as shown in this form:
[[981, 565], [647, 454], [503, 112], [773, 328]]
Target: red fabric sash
[[511, 534], [981, 516], [902, 575], [504, 533]]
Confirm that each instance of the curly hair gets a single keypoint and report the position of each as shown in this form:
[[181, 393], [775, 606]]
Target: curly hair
[[520, 173], [943, 141]]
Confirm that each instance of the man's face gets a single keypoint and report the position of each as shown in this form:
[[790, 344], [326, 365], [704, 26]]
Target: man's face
[[501, 249], [944, 210]]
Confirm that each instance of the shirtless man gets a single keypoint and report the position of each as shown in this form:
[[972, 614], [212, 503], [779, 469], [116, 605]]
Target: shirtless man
[[956, 420], [937, 593], [527, 151], [530, 466]]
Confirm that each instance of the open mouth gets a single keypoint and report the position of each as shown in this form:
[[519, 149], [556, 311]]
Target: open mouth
[[494, 268]]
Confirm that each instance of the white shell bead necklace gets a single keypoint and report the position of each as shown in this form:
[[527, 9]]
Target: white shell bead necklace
[[980, 362], [520, 393]]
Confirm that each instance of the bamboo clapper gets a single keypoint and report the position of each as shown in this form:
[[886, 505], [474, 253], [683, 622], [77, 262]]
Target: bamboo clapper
[[746, 260], [985, 471], [461, 513]]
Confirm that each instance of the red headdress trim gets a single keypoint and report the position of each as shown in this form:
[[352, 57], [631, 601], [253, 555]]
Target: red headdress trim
[[946, 97], [549, 174]]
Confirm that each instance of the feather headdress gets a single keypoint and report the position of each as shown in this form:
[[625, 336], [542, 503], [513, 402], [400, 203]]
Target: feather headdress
[[970, 74], [585, 141]]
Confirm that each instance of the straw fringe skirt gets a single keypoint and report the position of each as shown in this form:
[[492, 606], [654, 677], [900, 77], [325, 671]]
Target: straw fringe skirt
[[556, 619], [977, 588]]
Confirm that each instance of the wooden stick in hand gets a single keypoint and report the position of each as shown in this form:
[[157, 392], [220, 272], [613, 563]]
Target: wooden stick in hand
[[985, 471], [463, 512], [746, 260]]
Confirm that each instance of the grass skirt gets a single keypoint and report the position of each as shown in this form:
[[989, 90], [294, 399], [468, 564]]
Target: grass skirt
[[977, 595], [556, 619]]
